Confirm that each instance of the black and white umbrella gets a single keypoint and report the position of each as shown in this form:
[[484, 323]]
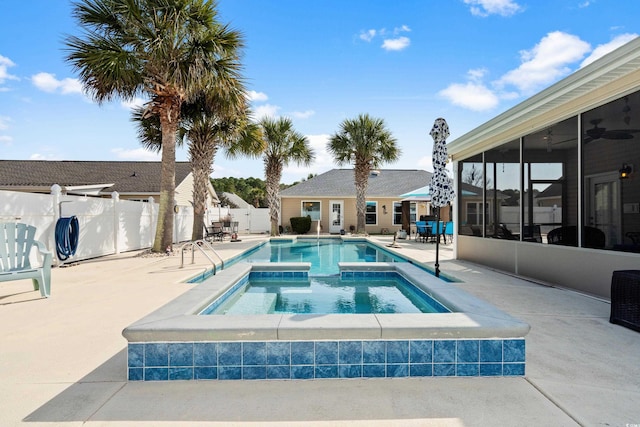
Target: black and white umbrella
[[441, 186]]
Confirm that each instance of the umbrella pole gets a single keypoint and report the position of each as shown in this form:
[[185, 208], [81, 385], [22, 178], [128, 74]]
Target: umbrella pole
[[437, 241]]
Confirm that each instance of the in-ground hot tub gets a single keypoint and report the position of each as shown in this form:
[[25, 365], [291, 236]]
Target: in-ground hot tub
[[177, 343]]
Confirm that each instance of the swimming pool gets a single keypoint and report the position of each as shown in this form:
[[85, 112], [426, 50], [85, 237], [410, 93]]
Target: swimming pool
[[266, 294], [176, 343]]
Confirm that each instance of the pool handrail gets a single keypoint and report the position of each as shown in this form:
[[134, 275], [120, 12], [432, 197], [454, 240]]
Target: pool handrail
[[198, 244]]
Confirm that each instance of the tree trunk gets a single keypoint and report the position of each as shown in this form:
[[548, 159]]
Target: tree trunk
[[201, 161], [361, 180], [169, 115], [273, 172]]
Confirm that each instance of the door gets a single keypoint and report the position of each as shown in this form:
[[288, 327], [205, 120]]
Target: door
[[336, 216], [604, 206]]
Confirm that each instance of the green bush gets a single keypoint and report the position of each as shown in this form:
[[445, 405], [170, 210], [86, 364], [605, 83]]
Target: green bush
[[301, 224]]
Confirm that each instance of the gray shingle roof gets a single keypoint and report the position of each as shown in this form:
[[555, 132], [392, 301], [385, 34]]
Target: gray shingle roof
[[128, 177], [341, 183]]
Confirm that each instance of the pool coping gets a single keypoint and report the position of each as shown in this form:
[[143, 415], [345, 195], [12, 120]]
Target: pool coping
[[178, 321]]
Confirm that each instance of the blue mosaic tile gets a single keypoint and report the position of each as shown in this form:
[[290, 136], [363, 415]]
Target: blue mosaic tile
[[444, 351], [490, 369], [181, 373], [278, 353], [346, 275], [421, 370], [136, 374], [398, 370], [300, 275], [254, 372], [468, 351], [327, 371], [205, 373], [374, 371], [156, 354], [514, 351], [467, 369], [229, 373], [156, 374], [254, 353], [513, 369], [444, 369], [287, 275], [282, 372], [229, 354], [305, 372], [491, 351], [373, 352], [205, 354], [326, 353], [180, 354], [398, 352], [350, 371], [302, 352], [350, 352], [421, 351], [135, 355]]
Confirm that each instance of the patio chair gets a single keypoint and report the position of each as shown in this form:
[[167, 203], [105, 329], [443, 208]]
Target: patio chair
[[16, 242], [448, 231], [214, 232], [568, 236], [437, 231], [422, 232]]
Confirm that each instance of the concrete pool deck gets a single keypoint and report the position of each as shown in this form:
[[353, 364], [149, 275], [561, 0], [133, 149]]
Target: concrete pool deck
[[63, 359]]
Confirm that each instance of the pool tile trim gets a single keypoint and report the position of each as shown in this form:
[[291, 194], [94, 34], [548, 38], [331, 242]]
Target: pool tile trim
[[251, 360]]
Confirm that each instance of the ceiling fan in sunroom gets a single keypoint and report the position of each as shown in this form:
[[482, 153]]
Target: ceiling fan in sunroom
[[597, 132]]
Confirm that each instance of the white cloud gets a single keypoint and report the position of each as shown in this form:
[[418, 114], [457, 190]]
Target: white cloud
[[48, 83], [367, 35], [139, 154], [303, 114], [5, 64], [266, 110], [4, 122], [603, 49], [396, 44], [257, 96], [38, 156], [546, 62], [472, 95], [493, 7], [6, 139]]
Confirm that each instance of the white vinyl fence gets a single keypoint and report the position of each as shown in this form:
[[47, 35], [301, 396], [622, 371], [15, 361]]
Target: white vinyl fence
[[107, 226]]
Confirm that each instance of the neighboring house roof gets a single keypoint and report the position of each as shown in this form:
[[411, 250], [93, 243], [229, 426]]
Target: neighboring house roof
[[341, 183], [76, 176], [236, 200], [552, 191]]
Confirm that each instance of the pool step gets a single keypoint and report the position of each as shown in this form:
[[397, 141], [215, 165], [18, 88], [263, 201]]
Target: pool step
[[254, 303]]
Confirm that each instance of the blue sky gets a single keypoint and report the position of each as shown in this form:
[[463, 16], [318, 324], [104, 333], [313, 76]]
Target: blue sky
[[320, 62]]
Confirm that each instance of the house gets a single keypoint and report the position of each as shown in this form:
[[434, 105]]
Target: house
[[571, 153], [330, 200], [132, 180]]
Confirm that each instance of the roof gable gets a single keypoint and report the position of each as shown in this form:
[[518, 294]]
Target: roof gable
[[341, 183]]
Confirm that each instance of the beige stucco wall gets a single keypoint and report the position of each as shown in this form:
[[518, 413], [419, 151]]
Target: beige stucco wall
[[292, 207]]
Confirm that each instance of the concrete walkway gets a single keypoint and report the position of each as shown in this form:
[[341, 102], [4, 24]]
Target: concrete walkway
[[63, 360]]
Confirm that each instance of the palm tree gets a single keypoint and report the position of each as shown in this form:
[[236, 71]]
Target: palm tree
[[283, 146], [365, 142], [168, 50], [209, 123]]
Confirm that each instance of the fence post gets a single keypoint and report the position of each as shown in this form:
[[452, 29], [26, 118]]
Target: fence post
[[56, 192], [115, 196]]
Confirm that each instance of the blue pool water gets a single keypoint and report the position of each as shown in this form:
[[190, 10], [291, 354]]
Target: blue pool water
[[385, 293], [323, 254]]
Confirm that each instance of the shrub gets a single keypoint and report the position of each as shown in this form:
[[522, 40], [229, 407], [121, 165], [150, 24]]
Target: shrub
[[301, 224]]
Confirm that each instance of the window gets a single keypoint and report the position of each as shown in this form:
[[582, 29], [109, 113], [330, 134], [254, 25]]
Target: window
[[371, 213], [311, 209], [503, 191], [470, 189], [397, 213]]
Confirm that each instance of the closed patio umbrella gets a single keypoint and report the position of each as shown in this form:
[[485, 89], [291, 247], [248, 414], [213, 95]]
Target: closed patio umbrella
[[441, 186]]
